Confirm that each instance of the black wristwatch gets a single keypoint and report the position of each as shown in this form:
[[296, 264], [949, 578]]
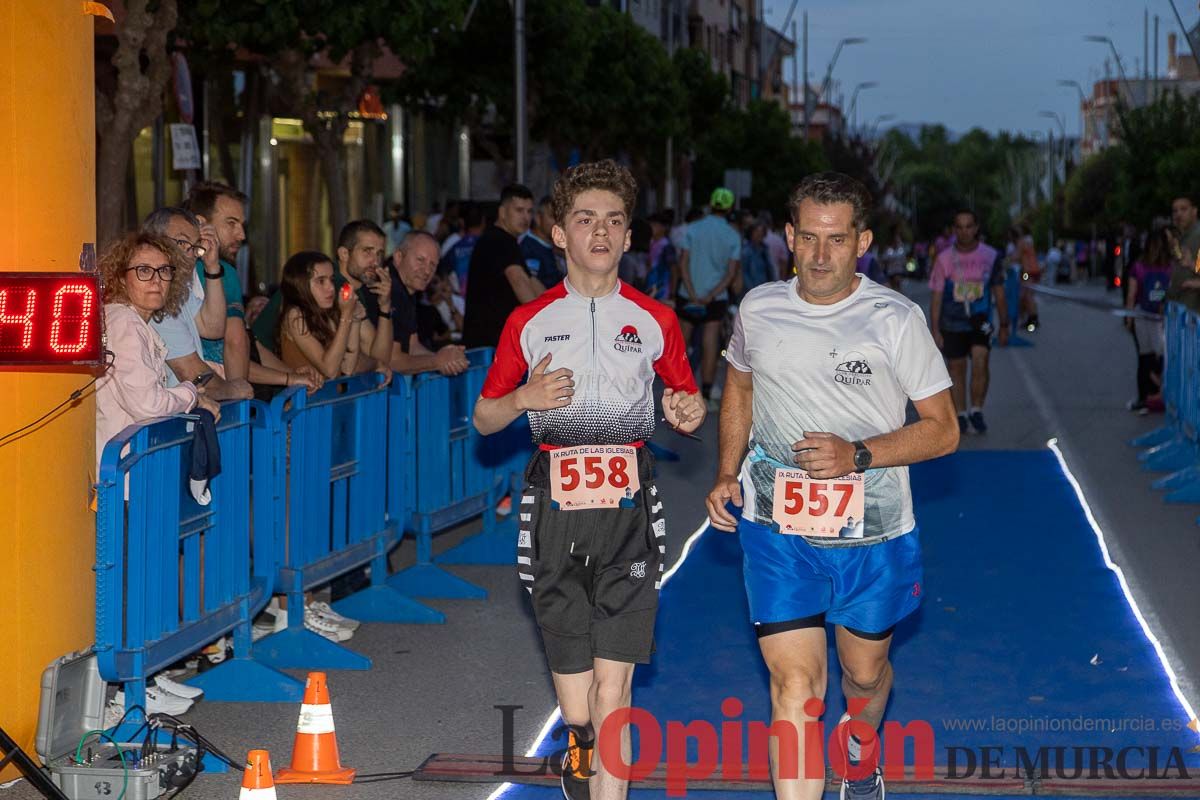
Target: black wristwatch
[[862, 457], [220, 273], [385, 314]]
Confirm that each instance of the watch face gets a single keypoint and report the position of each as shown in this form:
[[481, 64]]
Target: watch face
[[862, 458]]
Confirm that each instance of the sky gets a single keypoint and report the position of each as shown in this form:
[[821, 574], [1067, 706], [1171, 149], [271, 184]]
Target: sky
[[992, 64]]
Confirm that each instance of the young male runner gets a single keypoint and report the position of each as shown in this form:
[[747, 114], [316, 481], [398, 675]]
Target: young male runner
[[591, 544], [820, 371]]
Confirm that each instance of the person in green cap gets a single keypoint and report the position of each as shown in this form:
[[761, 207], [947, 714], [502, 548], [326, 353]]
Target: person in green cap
[[708, 263]]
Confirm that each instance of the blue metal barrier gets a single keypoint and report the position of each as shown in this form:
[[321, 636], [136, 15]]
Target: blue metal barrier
[[173, 576], [443, 472], [1175, 447], [331, 511]]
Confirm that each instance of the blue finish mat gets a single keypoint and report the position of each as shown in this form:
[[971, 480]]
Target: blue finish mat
[[1024, 639]]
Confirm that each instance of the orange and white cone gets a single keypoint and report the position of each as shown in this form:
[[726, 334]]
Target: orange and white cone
[[256, 780], [315, 752]]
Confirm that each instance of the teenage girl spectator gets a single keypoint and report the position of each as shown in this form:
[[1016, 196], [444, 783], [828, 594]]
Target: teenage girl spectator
[[320, 325], [1147, 291], [146, 277]]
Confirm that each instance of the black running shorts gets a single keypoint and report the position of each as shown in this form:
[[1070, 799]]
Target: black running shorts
[[593, 574]]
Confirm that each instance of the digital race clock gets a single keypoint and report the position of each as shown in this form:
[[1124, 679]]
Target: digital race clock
[[49, 318]]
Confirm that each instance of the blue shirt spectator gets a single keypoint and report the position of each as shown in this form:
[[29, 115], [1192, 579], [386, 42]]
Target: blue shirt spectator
[[711, 243], [539, 257]]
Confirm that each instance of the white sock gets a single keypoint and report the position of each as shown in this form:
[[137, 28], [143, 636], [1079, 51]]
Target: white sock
[[976, 410]]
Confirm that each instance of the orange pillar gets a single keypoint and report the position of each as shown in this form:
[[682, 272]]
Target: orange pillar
[[47, 211]]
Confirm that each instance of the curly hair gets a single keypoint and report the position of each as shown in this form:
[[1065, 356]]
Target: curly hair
[[119, 256], [606, 175], [832, 188]]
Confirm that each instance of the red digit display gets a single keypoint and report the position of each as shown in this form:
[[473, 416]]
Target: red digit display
[[49, 318]]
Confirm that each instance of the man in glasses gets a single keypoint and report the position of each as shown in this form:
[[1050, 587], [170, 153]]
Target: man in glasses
[[204, 316]]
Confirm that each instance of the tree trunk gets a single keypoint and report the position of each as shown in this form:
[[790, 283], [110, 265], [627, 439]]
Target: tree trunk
[[135, 103]]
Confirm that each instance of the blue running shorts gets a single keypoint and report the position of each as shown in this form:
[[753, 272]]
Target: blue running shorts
[[867, 587]]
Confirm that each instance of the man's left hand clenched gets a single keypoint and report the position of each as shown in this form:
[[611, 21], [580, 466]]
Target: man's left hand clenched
[[824, 455]]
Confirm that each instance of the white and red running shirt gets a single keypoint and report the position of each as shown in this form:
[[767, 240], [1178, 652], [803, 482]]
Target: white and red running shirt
[[613, 344]]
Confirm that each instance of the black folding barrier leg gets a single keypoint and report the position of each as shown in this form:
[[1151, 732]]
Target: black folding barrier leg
[[10, 751]]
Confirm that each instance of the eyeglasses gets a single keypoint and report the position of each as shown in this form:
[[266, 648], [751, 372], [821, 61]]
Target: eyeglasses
[[193, 250], [145, 272]]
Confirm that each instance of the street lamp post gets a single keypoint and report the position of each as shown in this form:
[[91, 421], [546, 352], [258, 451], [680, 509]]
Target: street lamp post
[[829, 72], [1082, 102], [1116, 57], [853, 113], [874, 127]]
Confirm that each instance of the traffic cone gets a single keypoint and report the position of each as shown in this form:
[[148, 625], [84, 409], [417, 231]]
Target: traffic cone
[[256, 780], [315, 752]]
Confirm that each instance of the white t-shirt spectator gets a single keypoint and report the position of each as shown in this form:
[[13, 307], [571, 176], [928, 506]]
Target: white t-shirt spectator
[[179, 332]]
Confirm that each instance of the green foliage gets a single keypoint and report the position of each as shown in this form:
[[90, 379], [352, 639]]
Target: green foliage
[[976, 171], [1091, 192], [758, 139], [1158, 142], [268, 27]]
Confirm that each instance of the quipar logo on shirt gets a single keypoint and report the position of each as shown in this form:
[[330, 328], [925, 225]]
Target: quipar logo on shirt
[[854, 371]]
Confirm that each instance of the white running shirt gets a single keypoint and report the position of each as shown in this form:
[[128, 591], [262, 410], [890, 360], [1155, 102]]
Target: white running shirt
[[848, 369]]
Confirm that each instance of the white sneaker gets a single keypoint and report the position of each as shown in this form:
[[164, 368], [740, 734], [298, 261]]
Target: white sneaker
[[323, 609], [157, 702], [272, 620], [176, 688], [318, 624]]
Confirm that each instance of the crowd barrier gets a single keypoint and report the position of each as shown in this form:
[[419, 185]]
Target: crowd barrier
[[1175, 447], [312, 487]]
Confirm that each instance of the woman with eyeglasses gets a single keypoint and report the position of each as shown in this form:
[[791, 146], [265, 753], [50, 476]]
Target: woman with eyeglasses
[[145, 277]]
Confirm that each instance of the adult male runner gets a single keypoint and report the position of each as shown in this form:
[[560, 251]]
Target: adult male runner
[[591, 544], [820, 371], [964, 281]]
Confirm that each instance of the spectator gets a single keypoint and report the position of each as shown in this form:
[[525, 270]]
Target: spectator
[[360, 255], [1147, 291], [869, 265], [396, 226], [679, 232], [777, 247], [458, 248], [145, 278], [537, 248], [895, 261], [664, 263], [757, 267], [414, 264], [318, 324], [431, 222], [439, 315], [1184, 215], [225, 209], [708, 264], [182, 332], [201, 313], [498, 280], [635, 262]]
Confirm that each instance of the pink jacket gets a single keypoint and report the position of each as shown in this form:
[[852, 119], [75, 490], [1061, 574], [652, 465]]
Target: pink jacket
[[132, 390]]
